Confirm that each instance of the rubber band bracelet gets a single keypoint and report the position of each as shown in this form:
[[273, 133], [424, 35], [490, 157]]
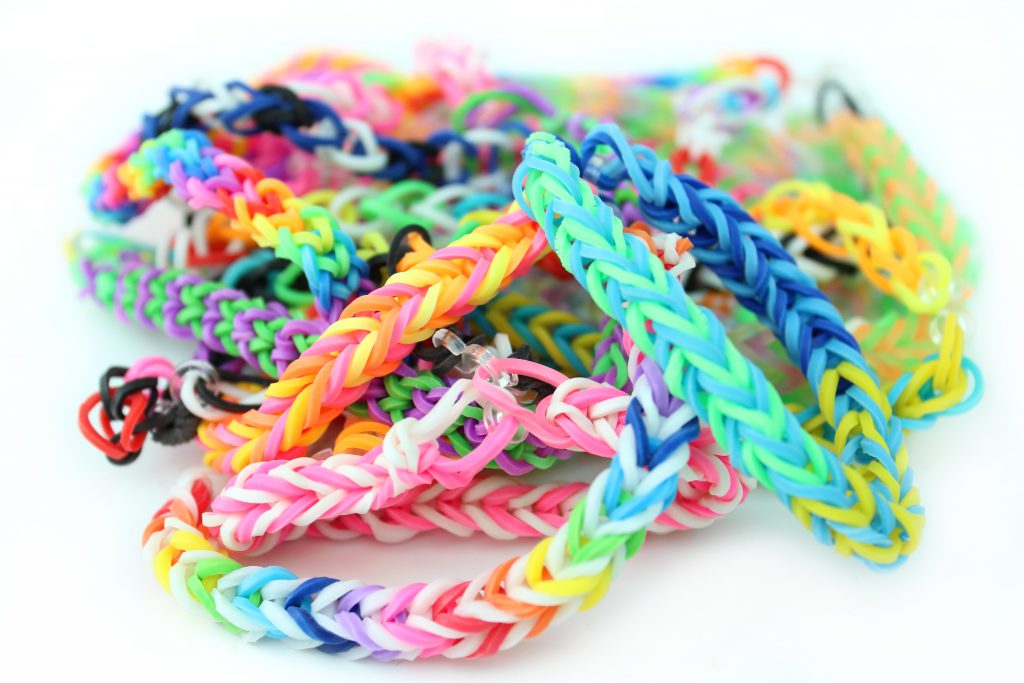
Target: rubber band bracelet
[[506, 509], [180, 307], [209, 178], [304, 490], [726, 240], [273, 108], [274, 501], [902, 188], [858, 506], [277, 110], [519, 599], [626, 511], [889, 257], [157, 398], [579, 414], [668, 441], [268, 335], [763, 277]]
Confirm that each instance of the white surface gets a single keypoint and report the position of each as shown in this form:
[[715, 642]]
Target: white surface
[[753, 597]]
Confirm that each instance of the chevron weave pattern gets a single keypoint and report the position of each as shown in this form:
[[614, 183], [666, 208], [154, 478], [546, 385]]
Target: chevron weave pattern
[[187, 162], [860, 501]]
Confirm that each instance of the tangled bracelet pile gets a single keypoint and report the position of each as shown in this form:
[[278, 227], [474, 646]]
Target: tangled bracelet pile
[[407, 291]]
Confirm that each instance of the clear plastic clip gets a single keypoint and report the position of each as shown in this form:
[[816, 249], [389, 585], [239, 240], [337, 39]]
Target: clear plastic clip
[[473, 356]]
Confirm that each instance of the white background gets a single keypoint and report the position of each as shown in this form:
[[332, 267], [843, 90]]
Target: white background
[[752, 597]]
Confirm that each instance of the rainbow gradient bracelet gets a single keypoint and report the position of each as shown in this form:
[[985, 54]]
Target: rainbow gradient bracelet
[[208, 178], [639, 488], [274, 105], [568, 571]]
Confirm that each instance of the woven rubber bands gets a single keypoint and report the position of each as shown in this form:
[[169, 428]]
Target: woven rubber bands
[[406, 291]]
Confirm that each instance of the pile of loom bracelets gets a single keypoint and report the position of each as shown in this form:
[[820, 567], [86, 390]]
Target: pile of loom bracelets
[[405, 291]]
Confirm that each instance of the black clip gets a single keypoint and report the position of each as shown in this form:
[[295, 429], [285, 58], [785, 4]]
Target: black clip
[[289, 110], [834, 85], [400, 245]]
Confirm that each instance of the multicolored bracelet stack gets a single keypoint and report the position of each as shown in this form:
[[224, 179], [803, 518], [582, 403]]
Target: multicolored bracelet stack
[[377, 271]]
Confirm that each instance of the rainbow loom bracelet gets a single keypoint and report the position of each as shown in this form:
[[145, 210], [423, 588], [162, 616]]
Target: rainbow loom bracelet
[[664, 476], [294, 495], [316, 637], [208, 178], [626, 511], [681, 204], [579, 414], [859, 507], [267, 337], [765, 280], [299, 488], [906, 193], [504, 509], [565, 155], [520, 598], [889, 257]]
